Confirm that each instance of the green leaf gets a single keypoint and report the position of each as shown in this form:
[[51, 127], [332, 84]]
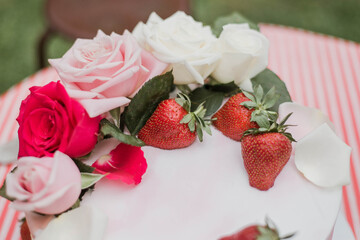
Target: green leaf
[[212, 100], [115, 113], [259, 93], [229, 89], [283, 121], [76, 204], [270, 98], [249, 104], [249, 96], [199, 133], [191, 125], [3, 192], [267, 79], [261, 120], [232, 18], [184, 89], [146, 101], [84, 168], [89, 179], [207, 129], [108, 128], [186, 118]]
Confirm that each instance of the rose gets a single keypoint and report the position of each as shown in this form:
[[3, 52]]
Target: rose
[[181, 41], [50, 120], [101, 73], [48, 185], [244, 54]]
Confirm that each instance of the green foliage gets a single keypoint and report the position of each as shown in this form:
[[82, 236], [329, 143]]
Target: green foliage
[[267, 79], [3, 192], [84, 168], [211, 100], [232, 18], [89, 179], [146, 101], [109, 129]]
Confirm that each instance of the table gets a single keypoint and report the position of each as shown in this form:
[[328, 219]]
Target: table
[[319, 71]]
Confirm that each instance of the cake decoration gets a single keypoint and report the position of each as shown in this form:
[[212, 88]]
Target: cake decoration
[[304, 119], [115, 98], [258, 232], [102, 73], [265, 151], [323, 158]]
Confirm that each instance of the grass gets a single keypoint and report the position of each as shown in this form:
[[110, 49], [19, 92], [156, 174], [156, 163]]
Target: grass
[[22, 23]]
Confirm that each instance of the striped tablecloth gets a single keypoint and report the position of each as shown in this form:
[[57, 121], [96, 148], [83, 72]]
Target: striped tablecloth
[[319, 71]]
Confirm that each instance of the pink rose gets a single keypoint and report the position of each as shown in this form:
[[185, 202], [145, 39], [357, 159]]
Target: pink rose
[[103, 72], [48, 185], [50, 120]]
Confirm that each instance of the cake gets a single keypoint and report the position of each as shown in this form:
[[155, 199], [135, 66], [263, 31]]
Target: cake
[[178, 187]]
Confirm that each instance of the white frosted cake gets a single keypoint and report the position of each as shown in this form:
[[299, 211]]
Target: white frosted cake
[[109, 152], [202, 192]]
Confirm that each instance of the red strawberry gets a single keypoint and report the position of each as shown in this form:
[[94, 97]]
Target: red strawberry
[[172, 126], [25, 232], [264, 157], [256, 232], [265, 152], [233, 119], [244, 111]]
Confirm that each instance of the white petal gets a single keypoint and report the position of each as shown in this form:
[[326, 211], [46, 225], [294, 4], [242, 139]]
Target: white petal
[[247, 85], [306, 119], [9, 151], [323, 158], [83, 223]]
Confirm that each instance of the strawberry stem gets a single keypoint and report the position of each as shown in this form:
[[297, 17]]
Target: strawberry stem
[[195, 120]]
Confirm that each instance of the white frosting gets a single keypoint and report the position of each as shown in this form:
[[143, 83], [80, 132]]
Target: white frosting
[[202, 193]]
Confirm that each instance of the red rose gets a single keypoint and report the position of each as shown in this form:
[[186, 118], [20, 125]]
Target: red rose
[[50, 120]]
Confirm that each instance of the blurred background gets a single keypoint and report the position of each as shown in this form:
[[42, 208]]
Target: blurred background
[[23, 23]]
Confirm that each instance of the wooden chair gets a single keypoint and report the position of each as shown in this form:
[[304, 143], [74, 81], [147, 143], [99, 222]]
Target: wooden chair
[[82, 18]]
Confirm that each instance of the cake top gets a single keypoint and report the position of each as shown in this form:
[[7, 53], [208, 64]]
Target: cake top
[[124, 86]]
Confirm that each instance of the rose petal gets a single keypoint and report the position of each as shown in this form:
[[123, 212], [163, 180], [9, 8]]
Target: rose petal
[[96, 107], [323, 158], [90, 224], [305, 119], [125, 162], [244, 53]]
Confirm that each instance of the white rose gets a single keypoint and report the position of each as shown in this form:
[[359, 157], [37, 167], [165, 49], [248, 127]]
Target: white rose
[[244, 54], [182, 42]]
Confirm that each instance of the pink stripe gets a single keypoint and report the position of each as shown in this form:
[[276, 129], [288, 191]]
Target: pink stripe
[[328, 93], [4, 213], [343, 125], [12, 226]]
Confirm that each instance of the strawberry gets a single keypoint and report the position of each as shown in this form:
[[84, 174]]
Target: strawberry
[[244, 111], [257, 232], [233, 119], [265, 152], [173, 126], [25, 232]]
